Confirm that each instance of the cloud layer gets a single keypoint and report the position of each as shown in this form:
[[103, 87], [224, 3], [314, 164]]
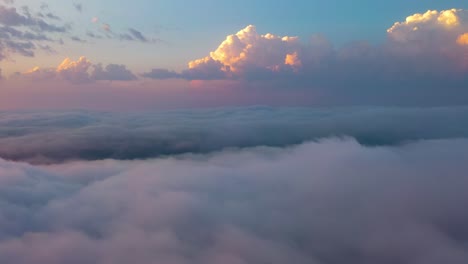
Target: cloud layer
[[44, 137], [79, 72], [247, 54], [423, 57], [328, 202]]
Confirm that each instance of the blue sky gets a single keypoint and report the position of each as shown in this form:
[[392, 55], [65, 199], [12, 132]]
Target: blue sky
[[190, 29], [154, 53]]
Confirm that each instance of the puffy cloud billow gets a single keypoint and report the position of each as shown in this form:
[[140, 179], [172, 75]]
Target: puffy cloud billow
[[425, 54], [78, 72], [328, 202], [52, 137]]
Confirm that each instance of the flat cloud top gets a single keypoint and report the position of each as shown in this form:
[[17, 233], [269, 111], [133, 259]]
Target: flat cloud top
[[51, 137]]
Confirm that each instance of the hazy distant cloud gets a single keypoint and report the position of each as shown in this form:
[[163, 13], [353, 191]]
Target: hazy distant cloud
[[10, 17], [426, 50], [332, 201], [112, 72], [22, 32], [79, 72], [138, 35], [106, 27], [161, 74], [77, 39], [78, 7], [58, 136], [134, 34]]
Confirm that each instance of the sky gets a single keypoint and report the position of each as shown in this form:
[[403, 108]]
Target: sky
[[235, 185], [233, 132], [307, 52]]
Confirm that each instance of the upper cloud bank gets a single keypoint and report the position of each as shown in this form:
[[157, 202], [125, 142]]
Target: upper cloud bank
[[53, 137], [330, 202], [437, 36], [78, 72], [424, 56]]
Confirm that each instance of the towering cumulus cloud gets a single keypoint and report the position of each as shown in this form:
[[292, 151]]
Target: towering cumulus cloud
[[440, 35], [425, 54]]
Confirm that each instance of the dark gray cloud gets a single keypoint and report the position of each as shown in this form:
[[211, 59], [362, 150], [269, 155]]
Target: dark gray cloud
[[329, 202], [137, 35], [161, 74], [134, 35], [9, 16], [112, 72], [78, 7], [23, 33], [43, 137], [78, 39]]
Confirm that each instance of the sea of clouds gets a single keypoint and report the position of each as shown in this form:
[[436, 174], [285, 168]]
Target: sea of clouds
[[56, 136], [235, 186]]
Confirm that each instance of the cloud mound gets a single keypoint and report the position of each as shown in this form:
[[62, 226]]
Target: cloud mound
[[53, 137], [79, 72], [332, 202], [425, 54]]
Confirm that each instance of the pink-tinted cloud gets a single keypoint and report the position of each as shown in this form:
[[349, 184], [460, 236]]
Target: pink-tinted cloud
[[429, 36], [79, 72], [331, 201]]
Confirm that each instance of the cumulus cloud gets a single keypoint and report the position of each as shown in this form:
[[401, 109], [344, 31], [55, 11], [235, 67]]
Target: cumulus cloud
[[112, 72], [79, 71], [75, 71], [51, 137], [425, 54], [246, 50], [419, 26], [332, 201]]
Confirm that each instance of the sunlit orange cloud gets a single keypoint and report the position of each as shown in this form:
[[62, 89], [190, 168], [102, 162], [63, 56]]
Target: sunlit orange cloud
[[462, 40], [247, 49], [82, 64], [431, 20], [293, 60], [447, 18]]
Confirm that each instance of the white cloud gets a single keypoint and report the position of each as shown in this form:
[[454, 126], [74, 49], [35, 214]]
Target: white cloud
[[424, 42], [54, 137], [332, 201], [247, 50], [432, 26]]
